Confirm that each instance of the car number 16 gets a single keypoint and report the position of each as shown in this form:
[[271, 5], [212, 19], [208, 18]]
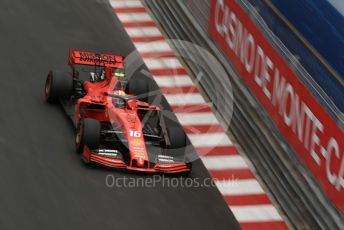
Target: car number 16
[[135, 133]]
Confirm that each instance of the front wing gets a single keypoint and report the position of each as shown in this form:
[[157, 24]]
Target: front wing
[[117, 162]]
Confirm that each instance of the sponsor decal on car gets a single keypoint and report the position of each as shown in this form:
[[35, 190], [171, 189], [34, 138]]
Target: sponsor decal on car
[[109, 153], [137, 142], [165, 159]]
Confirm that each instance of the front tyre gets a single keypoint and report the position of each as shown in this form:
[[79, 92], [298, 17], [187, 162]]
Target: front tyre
[[88, 134], [177, 137], [58, 85]]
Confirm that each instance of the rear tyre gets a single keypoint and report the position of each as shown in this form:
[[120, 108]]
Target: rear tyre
[[88, 133], [138, 87], [177, 137], [58, 85]]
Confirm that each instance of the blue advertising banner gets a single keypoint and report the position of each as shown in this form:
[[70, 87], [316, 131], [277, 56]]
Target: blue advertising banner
[[322, 26]]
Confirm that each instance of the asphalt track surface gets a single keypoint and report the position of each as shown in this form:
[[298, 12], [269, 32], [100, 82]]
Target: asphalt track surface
[[43, 183]]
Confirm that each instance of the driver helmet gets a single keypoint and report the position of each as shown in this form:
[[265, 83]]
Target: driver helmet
[[97, 77], [118, 72]]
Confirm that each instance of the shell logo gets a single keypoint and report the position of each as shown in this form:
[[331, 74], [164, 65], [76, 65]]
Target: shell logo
[[136, 142]]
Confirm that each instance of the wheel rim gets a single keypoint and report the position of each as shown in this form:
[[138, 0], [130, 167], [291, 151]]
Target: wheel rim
[[77, 139], [48, 87], [78, 135]]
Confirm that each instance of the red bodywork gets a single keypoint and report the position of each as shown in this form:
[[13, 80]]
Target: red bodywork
[[127, 118]]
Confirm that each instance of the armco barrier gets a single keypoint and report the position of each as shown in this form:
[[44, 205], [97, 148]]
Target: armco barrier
[[295, 189], [320, 23], [310, 66]]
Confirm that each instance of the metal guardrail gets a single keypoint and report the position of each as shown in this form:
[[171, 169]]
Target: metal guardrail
[[293, 30], [291, 185], [294, 63]]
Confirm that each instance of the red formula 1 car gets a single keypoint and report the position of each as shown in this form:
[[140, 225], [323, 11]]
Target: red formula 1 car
[[114, 127]]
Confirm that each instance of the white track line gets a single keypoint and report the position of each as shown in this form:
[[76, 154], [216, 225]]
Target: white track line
[[173, 81], [134, 17], [185, 99], [143, 32], [209, 139], [255, 213], [125, 3], [206, 118], [156, 46], [162, 63], [224, 162], [239, 187]]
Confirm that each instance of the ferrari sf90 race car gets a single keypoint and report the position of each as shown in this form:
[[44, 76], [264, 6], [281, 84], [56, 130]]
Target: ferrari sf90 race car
[[115, 125]]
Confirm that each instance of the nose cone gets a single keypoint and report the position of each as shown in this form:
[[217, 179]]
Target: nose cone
[[140, 162]]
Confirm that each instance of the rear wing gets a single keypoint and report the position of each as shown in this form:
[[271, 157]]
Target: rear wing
[[91, 58]]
